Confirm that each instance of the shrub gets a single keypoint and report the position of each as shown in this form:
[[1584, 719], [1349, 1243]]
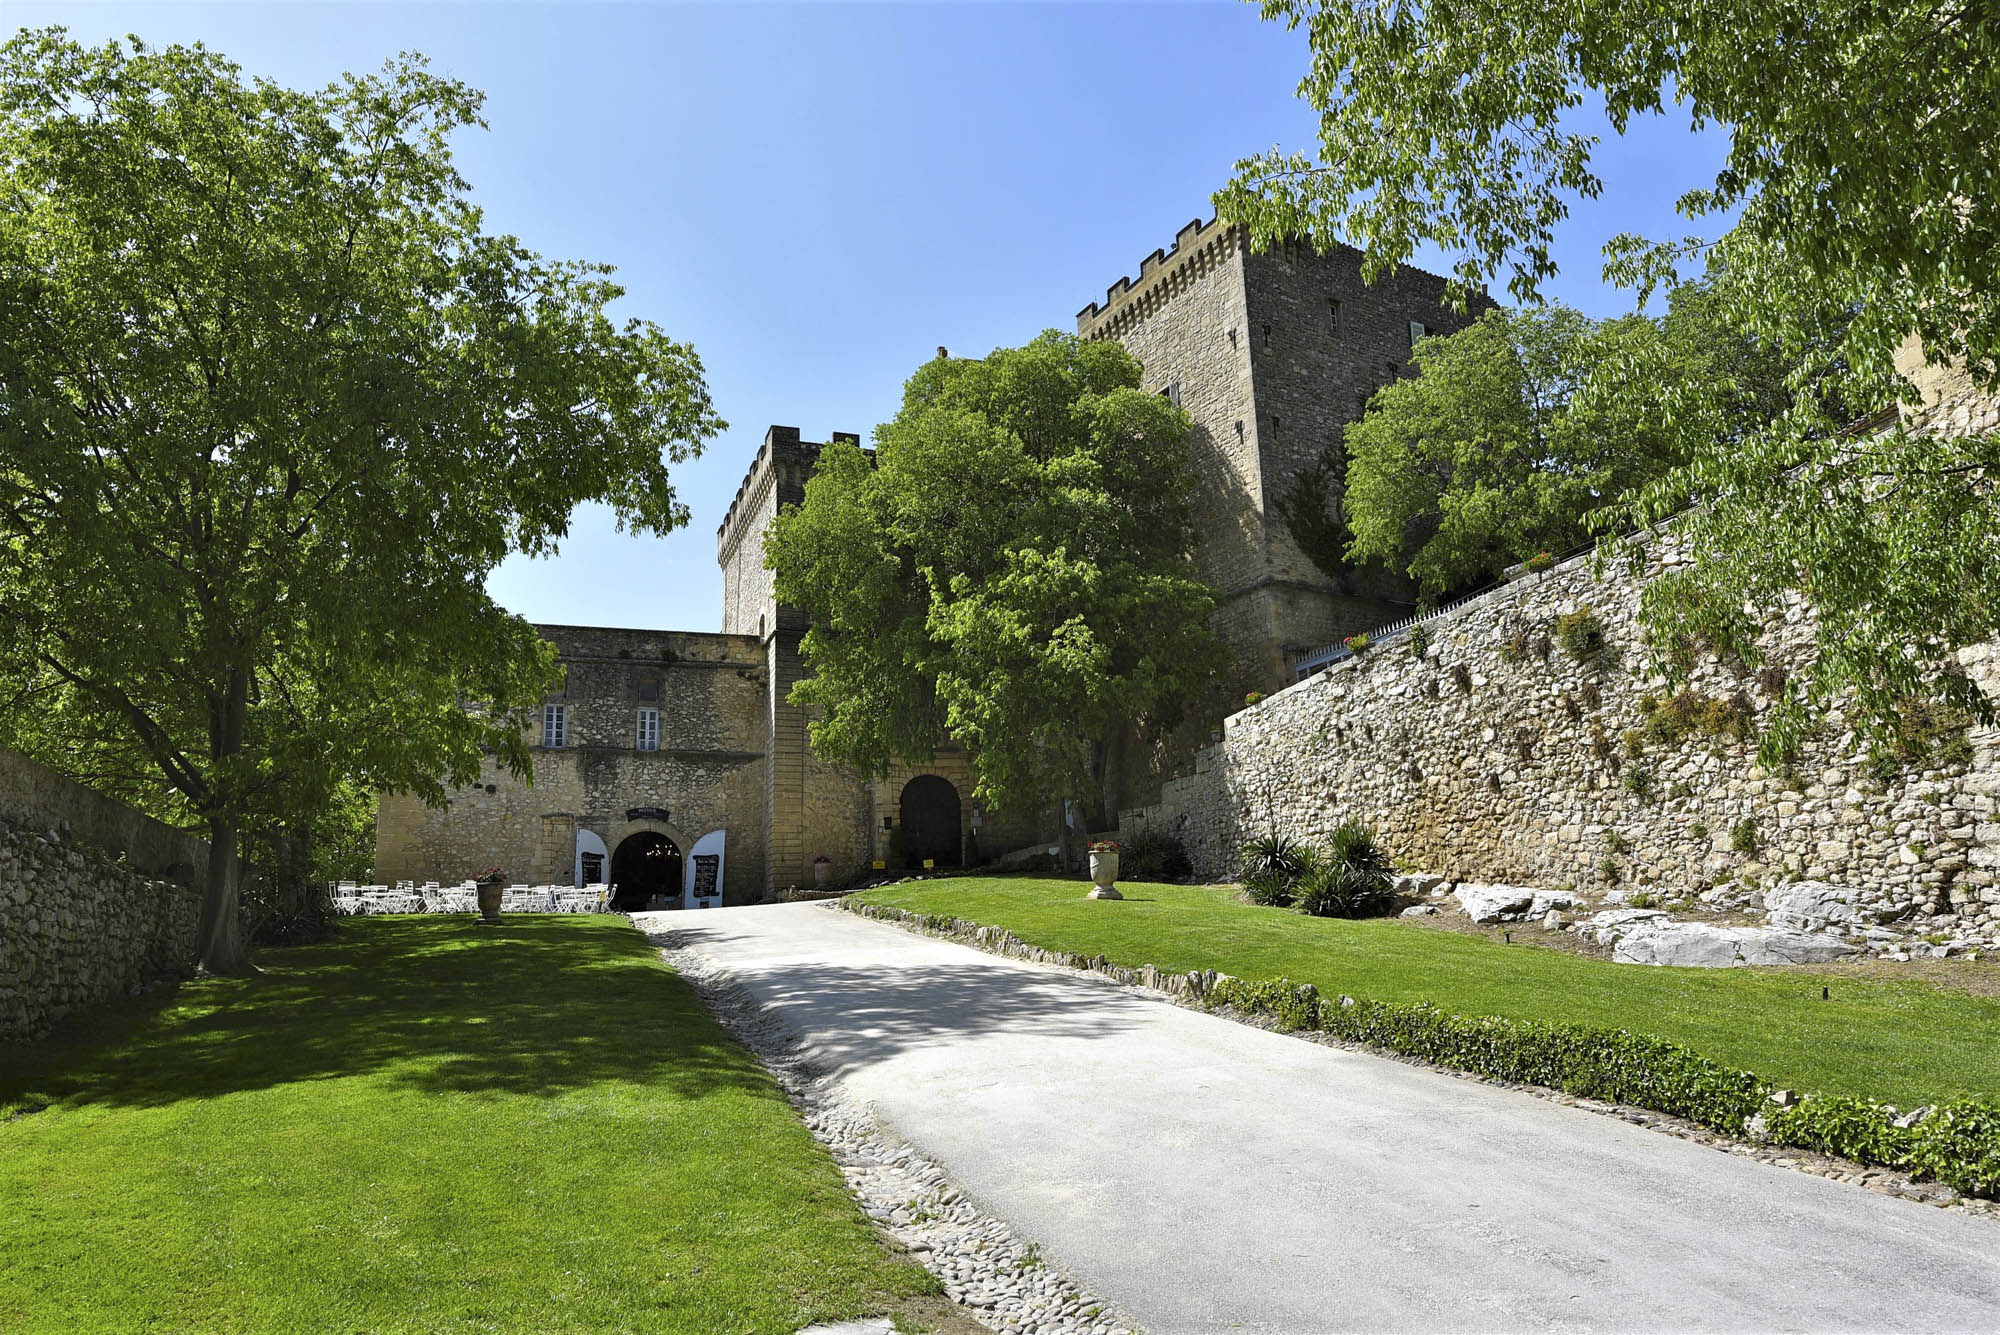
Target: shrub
[[1420, 641], [1539, 562], [1268, 889], [1617, 843], [1639, 781], [1743, 836], [1698, 829], [1274, 853], [1152, 856], [1350, 881], [1581, 635], [1607, 1064], [1608, 868], [1357, 644], [1515, 647], [1271, 865], [1252, 697]]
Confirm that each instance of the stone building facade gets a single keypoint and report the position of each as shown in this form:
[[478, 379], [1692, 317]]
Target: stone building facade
[[1271, 354], [655, 739]]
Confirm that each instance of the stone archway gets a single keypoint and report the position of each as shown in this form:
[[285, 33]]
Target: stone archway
[[930, 822], [645, 864]]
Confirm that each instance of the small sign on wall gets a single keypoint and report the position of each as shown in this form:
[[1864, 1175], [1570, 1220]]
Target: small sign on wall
[[704, 872]]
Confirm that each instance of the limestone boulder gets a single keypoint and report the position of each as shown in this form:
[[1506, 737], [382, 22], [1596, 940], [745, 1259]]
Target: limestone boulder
[[1700, 945], [1811, 906], [1765, 945], [1688, 945], [1495, 903], [1547, 901], [1610, 924], [1417, 883]]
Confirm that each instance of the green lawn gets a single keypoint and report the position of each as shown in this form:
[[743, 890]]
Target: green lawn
[[424, 1126], [1901, 1042]]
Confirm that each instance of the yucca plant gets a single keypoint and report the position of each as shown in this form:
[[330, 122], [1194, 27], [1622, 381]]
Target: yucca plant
[[1271, 866], [1351, 880]]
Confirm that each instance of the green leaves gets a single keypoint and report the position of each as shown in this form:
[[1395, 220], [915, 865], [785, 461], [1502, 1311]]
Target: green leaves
[[1012, 571], [1516, 431], [271, 407], [1862, 171]]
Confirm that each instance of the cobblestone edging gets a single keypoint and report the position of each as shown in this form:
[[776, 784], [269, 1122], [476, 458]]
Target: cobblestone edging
[[999, 1279], [1189, 989]]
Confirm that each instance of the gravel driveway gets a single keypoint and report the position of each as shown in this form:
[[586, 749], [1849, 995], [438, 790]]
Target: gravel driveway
[[1207, 1176]]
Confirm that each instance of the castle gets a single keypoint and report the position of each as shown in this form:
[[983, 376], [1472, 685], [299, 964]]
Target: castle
[[655, 739]]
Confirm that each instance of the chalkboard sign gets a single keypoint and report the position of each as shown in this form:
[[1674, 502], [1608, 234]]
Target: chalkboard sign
[[707, 867]]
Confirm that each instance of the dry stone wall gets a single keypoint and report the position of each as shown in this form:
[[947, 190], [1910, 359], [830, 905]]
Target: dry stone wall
[[96, 899], [1490, 753]]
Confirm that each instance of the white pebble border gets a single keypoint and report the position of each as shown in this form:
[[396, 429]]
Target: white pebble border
[[1160, 986], [1002, 1282]]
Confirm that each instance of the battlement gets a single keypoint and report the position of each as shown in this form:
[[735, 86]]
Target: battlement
[[1194, 246], [782, 457]]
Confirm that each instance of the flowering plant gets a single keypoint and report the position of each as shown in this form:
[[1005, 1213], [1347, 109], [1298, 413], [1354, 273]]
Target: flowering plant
[[1103, 846], [1253, 697], [1539, 561], [1357, 643], [822, 858]]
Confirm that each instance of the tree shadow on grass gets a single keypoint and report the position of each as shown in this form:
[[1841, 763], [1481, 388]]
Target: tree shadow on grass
[[535, 1006]]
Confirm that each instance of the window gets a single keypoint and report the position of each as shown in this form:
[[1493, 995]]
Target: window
[[1267, 336], [1417, 331], [1172, 393], [1232, 340], [1276, 424], [1333, 315], [649, 730], [555, 725], [649, 691]]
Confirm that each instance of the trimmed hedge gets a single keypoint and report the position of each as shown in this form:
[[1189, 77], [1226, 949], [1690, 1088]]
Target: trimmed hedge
[[1607, 1064], [1955, 1143]]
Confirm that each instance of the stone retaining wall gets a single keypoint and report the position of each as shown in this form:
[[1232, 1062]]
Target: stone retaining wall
[[96, 899], [1490, 753]]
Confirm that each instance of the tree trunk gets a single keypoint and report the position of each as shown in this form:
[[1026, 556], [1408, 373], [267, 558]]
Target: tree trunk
[[219, 940], [219, 944]]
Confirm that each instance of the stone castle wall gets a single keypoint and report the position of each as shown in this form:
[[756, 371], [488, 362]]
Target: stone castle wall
[[707, 773], [96, 899], [1498, 756]]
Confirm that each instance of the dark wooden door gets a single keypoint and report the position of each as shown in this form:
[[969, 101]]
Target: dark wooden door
[[930, 821]]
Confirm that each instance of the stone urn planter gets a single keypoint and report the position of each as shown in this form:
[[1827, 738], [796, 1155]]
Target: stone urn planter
[[1104, 871], [488, 889], [822, 872]]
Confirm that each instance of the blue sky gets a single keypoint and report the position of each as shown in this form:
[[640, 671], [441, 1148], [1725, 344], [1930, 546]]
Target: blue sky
[[817, 196]]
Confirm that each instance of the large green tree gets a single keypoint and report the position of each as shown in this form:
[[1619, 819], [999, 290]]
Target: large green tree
[[1864, 156], [272, 404], [1492, 452], [1011, 568]]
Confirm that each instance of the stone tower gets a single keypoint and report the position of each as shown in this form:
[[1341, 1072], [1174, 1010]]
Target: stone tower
[[1272, 355], [810, 806]]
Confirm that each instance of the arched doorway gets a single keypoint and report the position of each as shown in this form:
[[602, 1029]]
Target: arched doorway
[[930, 821], [646, 864]]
